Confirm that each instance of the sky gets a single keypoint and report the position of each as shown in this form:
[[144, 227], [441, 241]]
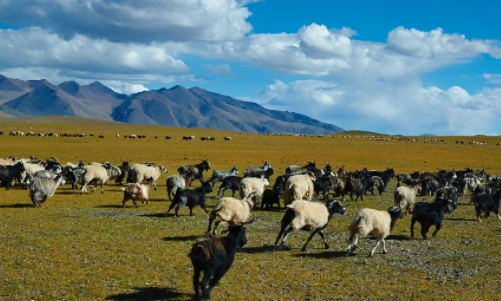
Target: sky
[[395, 67]]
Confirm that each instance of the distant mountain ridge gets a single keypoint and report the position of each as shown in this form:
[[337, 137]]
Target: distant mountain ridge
[[177, 106]]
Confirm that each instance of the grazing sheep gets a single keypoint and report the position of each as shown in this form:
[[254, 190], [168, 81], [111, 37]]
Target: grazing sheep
[[376, 222], [140, 172], [231, 182], [214, 256], [232, 210], [190, 197], [307, 216], [299, 187], [249, 186], [428, 214], [405, 197], [174, 182], [137, 191], [43, 188]]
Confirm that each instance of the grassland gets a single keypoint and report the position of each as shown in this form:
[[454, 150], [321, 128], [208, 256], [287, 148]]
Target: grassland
[[86, 247]]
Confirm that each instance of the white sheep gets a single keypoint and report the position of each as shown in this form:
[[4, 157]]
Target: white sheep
[[299, 187], [233, 211], [252, 185], [141, 172], [137, 191], [174, 182], [31, 168], [95, 174], [43, 188], [376, 222], [405, 197], [308, 216]]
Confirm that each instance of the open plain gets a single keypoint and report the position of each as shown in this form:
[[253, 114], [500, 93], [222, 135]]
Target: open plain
[[87, 247]]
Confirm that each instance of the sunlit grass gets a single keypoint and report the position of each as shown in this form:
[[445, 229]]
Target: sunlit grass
[[86, 247]]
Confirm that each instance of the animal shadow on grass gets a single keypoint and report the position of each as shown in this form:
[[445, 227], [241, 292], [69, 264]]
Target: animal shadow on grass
[[150, 294], [460, 219], [116, 206], [182, 238], [68, 192], [17, 206], [394, 237], [322, 255], [158, 215], [254, 250], [157, 200]]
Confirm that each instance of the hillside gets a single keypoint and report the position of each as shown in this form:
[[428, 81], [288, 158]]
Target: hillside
[[177, 106]]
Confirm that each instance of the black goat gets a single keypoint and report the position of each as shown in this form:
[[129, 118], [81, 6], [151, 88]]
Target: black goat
[[428, 214], [486, 203], [231, 182], [10, 172], [357, 186], [196, 169], [191, 198], [214, 256], [270, 197]]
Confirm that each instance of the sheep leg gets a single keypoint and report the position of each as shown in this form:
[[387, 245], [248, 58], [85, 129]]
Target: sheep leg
[[84, 188], [353, 245], [286, 235], [211, 219], [374, 249], [280, 235], [310, 237], [135, 203], [102, 186], [384, 246]]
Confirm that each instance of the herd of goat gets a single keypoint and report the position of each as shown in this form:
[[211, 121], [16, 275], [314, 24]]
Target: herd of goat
[[213, 255]]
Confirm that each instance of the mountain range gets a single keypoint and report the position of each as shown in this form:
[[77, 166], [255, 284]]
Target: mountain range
[[177, 106]]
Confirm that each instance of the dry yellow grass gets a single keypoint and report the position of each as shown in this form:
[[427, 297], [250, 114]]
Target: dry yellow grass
[[86, 247]]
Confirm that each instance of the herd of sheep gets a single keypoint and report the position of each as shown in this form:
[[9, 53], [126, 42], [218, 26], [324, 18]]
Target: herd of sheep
[[213, 255]]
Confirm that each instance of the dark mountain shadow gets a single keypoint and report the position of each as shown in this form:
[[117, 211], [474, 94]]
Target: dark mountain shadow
[[17, 206], [322, 255], [182, 238], [150, 294]]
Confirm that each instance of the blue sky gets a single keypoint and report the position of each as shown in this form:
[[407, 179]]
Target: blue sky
[[398, 67]]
